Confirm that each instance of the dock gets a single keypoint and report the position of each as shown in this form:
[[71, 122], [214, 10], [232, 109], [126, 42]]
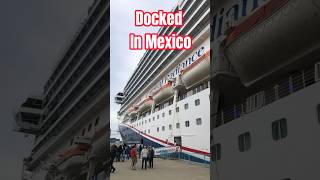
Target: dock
[[163, 170]]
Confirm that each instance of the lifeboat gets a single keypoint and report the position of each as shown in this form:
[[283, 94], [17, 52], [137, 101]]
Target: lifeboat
[[277, 34], [73, 158], [132, 111], [197, 72], [99, 142], [145, 104], [163, 93]]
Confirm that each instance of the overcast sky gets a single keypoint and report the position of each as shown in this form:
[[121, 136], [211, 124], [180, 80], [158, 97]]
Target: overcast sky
[[33, 33], [123, 60]]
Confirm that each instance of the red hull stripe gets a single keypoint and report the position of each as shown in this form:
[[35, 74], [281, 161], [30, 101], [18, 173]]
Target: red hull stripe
[[171, 144], [260, 15]]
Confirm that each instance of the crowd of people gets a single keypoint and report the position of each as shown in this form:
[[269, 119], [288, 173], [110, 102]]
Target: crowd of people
[[134, 152]]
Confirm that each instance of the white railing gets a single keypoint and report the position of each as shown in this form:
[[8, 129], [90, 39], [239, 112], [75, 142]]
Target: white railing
[[291, 84]]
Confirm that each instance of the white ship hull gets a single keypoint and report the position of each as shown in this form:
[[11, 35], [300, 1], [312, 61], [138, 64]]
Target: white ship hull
[[195, 140]]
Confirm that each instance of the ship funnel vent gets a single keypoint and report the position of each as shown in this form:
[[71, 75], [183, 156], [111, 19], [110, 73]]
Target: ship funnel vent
[[317, 71]]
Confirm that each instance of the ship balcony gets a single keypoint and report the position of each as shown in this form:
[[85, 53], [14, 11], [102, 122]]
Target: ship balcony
[[73, 158], [28, 117], [163, 93], [119, 98], [145, 104], [276, 35], [99, 142], [197, 72]]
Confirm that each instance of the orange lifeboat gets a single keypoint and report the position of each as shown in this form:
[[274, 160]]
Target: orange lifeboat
[[277, 34], [145, 104], [163, 93], [197, 72], [133, 111], [73, 158]]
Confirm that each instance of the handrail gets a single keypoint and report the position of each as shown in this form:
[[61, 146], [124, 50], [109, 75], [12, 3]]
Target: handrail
[[283, 88]]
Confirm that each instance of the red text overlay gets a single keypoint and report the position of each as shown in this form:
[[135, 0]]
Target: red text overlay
[[154, 41]]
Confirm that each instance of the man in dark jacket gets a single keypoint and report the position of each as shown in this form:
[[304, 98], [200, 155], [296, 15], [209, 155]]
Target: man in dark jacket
[[113, 153], [150, 156]]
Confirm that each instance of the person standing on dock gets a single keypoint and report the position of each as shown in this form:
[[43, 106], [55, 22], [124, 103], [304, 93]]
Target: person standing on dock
[[133, 154], [144, 154], [139, 150], [113, 153], [150, 156]]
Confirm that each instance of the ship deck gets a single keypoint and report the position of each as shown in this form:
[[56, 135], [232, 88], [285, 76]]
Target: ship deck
[[163, 169]]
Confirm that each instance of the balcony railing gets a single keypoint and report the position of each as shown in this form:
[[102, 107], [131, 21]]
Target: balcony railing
[[291, 84]]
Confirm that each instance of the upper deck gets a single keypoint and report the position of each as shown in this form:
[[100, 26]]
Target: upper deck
[[154, 65]]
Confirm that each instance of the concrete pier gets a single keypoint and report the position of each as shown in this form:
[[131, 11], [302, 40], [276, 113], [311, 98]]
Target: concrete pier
[[163, 170]]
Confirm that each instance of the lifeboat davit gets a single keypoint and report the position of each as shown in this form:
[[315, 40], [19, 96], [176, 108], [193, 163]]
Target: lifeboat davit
[[197, 72], [277, 34], [73, 158], [163, 93], [145, 104], [99, 142]]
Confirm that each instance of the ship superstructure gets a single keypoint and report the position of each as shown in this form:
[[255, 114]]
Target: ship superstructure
[[265, 89], [70, 120], [166, 100]]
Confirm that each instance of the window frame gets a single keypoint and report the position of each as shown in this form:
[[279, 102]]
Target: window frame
[[279, 129], [177, 125], [244, 142], [199, 124], [197, 102], [187, 123], [216, 152], [186, 106]]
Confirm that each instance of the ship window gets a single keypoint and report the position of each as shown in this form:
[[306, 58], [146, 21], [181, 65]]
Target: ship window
[[83, 132], [149, 131], [186, 106], [170, 112], [170, 126], [170, 102], [216, 152], [198, 121], [157, 129], [178, 125], [279, 129], [142, 122], [197, 102], [163, 128], [187, 123], [158, 116], [163, 114], [145, 121], [194, 91], [71, 142], [153, 118], [177, 109], [244, 142], [97, 121], [89, 127], [149, 120]]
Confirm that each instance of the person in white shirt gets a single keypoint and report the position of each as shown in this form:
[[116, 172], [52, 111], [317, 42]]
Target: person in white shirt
[[144, 154]]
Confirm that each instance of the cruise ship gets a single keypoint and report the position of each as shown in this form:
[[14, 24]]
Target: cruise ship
[[70, 119], [265, 100], [165, 102]]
